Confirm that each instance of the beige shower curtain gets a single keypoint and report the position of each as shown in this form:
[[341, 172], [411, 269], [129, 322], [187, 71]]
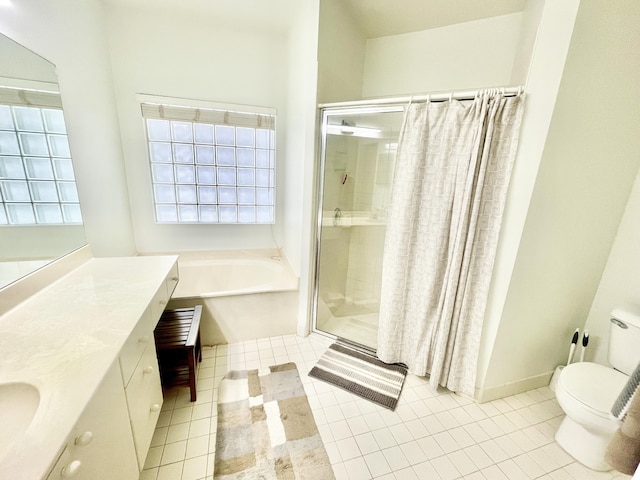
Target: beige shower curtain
[[451, 177]]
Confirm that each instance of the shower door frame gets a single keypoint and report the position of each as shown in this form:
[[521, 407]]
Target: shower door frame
[[324, 112]]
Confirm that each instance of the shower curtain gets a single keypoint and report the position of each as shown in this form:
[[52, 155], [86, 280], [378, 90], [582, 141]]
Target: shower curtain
[[452, 172]]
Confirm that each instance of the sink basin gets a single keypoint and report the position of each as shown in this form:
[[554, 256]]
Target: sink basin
[[18, 404]]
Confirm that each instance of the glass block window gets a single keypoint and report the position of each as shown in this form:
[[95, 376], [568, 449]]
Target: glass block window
[[211, 165], [37, 184]]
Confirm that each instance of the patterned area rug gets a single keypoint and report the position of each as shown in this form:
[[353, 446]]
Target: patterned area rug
[[361, 374], [266, 429]]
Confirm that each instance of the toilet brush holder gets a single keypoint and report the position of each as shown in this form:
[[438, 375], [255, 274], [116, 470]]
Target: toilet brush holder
[[554, 377]]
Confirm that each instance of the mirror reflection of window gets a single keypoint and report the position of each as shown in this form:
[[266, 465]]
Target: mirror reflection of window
[[37, 185]]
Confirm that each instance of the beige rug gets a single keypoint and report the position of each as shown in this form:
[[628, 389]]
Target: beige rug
[[266, 429]]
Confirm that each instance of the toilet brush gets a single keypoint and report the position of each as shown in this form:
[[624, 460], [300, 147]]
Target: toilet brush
[[574, 341], [585, 342]]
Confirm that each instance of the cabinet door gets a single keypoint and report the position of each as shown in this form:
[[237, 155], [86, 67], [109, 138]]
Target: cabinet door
[[100, 446], [144, 398]]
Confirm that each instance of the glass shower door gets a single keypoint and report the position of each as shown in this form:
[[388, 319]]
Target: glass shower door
[[358, 149]]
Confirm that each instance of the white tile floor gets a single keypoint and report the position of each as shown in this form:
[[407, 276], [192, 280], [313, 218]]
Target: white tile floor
[[432, 435]]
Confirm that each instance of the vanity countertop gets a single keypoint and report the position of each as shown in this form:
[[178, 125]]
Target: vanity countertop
[[63, 340]]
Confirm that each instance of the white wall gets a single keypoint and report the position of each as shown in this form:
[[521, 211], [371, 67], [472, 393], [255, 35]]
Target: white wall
[[71, 35], [18, 62], [620, 283], [458, 57], [341, 53], [590, 159], [179, 54], [299, 181]]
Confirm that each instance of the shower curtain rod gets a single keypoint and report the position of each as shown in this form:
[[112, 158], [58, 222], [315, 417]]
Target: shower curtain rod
[[463, 95]]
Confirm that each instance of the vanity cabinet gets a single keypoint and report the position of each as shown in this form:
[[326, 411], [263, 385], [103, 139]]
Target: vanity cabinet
[[140, 372], [85, 343], [100, 445]]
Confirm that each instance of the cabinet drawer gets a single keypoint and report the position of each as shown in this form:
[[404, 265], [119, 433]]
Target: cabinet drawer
[[158, 304], [172, 280], [135, 345], [100, 446], [144, 398]]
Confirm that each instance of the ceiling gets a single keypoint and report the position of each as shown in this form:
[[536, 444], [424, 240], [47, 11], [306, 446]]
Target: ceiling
[[376, 18], [379, 18]]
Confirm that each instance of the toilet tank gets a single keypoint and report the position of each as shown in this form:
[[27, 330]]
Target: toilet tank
[[624, 341]]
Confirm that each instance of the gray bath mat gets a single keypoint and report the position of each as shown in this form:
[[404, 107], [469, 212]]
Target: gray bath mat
[[361, 374]]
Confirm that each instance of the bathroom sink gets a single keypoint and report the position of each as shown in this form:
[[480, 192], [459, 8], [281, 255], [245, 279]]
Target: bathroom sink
[[18, 404]]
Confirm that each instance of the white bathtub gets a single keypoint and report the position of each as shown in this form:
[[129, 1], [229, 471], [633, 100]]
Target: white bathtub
[[252, 295]]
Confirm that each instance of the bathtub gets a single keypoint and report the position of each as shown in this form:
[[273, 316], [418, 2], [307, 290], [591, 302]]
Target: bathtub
[[244, 294]]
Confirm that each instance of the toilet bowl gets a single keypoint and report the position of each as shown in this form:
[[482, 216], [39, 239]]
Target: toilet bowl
[[586, 392]]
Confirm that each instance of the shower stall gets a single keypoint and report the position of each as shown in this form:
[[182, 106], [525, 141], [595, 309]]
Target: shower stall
[[357, 159]]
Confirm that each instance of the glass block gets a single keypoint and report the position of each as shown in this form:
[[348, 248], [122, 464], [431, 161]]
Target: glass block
[[204, 155], [227, 195], [164, 193], [264, 196], [246, 214], [54, 121], [187, 194], [59, 146], [246, 157], [272, 159], [246, 196], [185, 174], [158, 130], [182, 132], [206, 175], [162, 173], [225, 135], [48, 213], [71, 213], [228, 214], [226, 156], [3, 215], [44, 191], [272, 178], [20, 214], [188, 213], [182, 153], [63, 168], [166, 213], [28, 118], [208, 213], [207, 195], [68, 192], [262, 138], [245, 137], [6, 120], [15, 191], [272, 139], [38, 168], [262, 177], [246, 176], [264, 215], [11, 167], [9, 144], [160, 152], [262, 158], [226, 176], [34, 144], [204, 133]]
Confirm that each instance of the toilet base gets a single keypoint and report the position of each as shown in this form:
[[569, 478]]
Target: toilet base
[[584, 445]]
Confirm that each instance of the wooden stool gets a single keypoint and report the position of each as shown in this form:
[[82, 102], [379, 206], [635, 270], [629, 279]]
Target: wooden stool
[[178, 345]]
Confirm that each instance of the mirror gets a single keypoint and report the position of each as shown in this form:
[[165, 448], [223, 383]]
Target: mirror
[[40, 216]]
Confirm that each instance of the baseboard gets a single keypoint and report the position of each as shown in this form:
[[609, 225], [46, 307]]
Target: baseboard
[[513, 388]]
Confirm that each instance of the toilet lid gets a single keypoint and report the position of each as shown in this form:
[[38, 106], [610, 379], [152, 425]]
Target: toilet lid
[[593, 384]]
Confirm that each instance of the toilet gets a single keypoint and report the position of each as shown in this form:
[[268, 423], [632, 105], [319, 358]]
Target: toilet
[[586, 391]]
